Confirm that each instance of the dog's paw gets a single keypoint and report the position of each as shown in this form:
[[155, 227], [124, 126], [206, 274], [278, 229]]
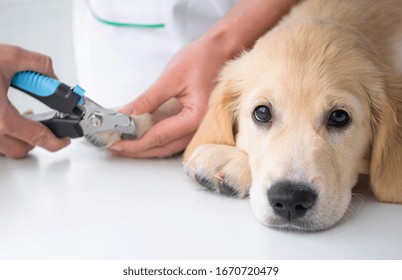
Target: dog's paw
[[220, 168], [105, 139], [142, 122]]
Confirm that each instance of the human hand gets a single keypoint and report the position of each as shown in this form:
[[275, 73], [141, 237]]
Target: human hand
[[19, 135], [189, 78], [191, 74]]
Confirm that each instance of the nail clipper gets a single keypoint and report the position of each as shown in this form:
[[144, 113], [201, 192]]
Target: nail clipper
[[75, 114]]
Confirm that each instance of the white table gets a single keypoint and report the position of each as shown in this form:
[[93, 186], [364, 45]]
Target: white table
[[84, 203]]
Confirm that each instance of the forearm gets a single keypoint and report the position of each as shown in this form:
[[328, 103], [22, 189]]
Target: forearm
[[246, 22]]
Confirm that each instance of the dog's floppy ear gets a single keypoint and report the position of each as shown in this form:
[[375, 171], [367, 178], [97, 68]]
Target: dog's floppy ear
[[218, 125], [386, 156]]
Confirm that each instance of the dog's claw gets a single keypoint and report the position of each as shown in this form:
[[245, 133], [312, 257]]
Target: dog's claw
[[205, 182], [222, 187], [227, 189]]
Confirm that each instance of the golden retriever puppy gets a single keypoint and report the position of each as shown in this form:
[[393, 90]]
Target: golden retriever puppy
[[295, 120]]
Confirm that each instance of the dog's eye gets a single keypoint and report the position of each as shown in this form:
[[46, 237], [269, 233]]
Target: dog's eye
[[338, 118], [262, 114]]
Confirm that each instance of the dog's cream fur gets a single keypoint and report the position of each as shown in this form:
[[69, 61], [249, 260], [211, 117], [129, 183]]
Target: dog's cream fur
[[325, 55]]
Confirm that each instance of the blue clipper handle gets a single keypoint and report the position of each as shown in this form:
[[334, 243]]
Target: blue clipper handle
[[49, 91]]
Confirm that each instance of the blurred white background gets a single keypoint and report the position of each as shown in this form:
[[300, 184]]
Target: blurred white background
[[43, 26]]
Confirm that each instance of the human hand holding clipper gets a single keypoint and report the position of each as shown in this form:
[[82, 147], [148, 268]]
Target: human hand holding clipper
[[19, 135], [74, 115]]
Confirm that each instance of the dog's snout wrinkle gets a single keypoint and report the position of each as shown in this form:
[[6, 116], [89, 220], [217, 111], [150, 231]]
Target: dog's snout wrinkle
[[291, 200]]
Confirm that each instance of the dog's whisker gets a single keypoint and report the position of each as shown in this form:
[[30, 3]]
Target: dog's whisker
[[361, 198], [351, 211], [244, 187]]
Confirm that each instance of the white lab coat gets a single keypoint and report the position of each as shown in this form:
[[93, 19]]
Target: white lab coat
[[116, 64]]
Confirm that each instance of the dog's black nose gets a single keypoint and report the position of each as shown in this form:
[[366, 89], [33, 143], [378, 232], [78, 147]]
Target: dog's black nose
[[291, 200]]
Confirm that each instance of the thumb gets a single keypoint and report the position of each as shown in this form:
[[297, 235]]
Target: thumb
[[161, 91]]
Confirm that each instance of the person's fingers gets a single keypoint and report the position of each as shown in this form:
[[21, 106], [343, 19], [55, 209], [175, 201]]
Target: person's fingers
[[167, 150], [13, 148], [161, 91], [21, 60], [161, 133], [36, 134]]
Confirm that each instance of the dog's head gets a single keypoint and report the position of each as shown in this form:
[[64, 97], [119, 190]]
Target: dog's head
[[313, 108]]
